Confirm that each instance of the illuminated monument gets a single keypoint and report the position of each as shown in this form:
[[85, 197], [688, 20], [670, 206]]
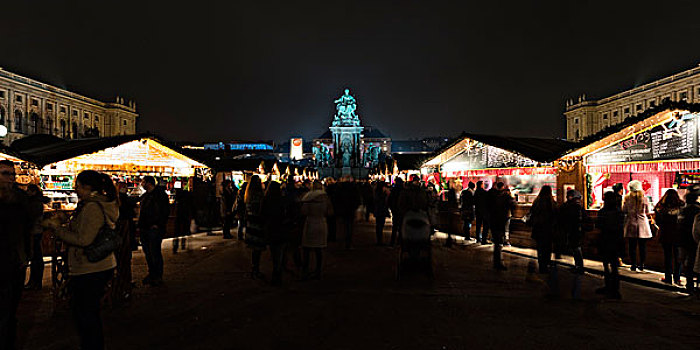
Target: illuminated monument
[[343, 150]]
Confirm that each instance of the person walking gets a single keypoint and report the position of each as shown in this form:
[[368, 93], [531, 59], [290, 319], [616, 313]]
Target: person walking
[[153, 218], [481, 213], [543, 219], [500, 210], [572, 217], [466, 205], [36, 270], [381, 210], [16, 224], [184, 214], [687, 242], [637, 230], [611, 222], [348, 199], [239, 208], [276, 227], [316, 206], [228, 199], [396, 218], [666, 214], [255, 224], [97, 207]]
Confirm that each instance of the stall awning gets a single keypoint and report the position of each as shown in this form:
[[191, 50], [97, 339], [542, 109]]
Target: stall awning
[[662, 166], [502, 172]]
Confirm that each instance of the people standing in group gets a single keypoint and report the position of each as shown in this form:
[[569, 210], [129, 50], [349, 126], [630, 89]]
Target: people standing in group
[[572, 218], [184, 214], [381, 209], [36, 205], [481, 213], [466, 205], [239, 209], [316, 207], [611, 221], [396, 218], [501, 206], [666, 213], [255, 224], [97, 207], [122, 284], [543, 220], [16, 223], [275, 215], [226, 203], [637, 230], [153, 218], [347, 201], [687, 242]]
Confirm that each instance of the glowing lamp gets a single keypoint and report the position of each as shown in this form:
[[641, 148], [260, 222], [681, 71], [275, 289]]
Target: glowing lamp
[[3, 131]]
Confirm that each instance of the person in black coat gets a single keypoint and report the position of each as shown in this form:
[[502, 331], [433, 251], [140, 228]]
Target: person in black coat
[[666, 214], [239, 209], [393, 202], [481, 213], [367, 198], [347, 200], [466, 199], [572, 219], [500, 209], [36, 269], [611, 221], [381, 209], [228, 199], [543, 219], [276, 219], [687, 242], [184, 212], [153, 218]]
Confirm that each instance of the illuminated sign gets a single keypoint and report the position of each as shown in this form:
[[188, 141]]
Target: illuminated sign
[[238, 146], [296, 149]]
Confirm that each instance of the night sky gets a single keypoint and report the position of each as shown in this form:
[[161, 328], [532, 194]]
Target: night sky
[[270, 70]]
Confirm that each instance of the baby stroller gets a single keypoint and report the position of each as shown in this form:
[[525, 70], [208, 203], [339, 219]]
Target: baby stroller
[[415, 247]]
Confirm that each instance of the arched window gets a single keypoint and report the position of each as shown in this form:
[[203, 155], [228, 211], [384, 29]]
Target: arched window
[[74, 130], [2, 116], [19, 121], [34, 124], [49, 126], [64, 129]]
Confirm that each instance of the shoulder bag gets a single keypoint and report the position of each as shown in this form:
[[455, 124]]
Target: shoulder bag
[[106, 242]]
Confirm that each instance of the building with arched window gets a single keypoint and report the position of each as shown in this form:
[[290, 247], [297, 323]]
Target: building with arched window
[[30, 107]]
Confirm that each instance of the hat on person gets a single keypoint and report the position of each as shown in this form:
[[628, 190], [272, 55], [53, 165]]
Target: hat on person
[[573, 194], [634, 185]]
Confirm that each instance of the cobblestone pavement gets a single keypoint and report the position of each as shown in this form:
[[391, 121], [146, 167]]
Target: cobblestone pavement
[[209, 302]]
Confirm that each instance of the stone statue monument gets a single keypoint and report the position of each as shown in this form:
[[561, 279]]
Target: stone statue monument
[[345, 107]]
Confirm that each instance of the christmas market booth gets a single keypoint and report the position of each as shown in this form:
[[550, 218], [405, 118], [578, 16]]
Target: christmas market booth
[[523, 164], [26, 172], [127, 158], [659, 148]]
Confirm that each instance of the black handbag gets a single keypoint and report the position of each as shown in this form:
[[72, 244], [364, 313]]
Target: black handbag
[[106, 242]]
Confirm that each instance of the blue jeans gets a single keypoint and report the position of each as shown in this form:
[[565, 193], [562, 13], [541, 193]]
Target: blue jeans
[[151, 240]]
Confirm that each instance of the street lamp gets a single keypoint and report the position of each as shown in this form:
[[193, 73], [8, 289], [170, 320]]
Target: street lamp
[[3, 131]]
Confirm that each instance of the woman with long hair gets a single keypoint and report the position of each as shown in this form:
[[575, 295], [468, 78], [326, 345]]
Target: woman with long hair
[[274, 214], [637, 230], [316, 206], [97, 206], [543, 218], [666, 216], [255, 229]]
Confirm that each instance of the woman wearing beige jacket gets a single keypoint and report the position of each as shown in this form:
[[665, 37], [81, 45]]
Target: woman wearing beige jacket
[[97, 207], [637, 229]]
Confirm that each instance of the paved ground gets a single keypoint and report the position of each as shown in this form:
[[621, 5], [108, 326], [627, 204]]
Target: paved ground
[[209, 302]]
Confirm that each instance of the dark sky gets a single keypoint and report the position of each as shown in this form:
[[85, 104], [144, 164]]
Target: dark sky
[[270, 70]]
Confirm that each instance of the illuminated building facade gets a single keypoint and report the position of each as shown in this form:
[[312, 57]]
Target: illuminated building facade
[[29, 107], [586, 117]]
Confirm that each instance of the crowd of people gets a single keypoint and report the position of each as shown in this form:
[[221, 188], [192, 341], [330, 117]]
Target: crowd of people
[[295, 220]]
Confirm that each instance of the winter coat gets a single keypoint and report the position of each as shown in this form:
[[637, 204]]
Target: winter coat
[[544, 222], [466, 199], [15, 232], [155, 209], [255, 222], [481, 202], [347, 199], [686, 220], [501, 205], [696, 237], [571, 218], [393, 199], [611, 222], [381, 204], [92, 213], [669, 226], [228, 200], [316, 206], [637, 223], [413, 198], [276, 222]]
